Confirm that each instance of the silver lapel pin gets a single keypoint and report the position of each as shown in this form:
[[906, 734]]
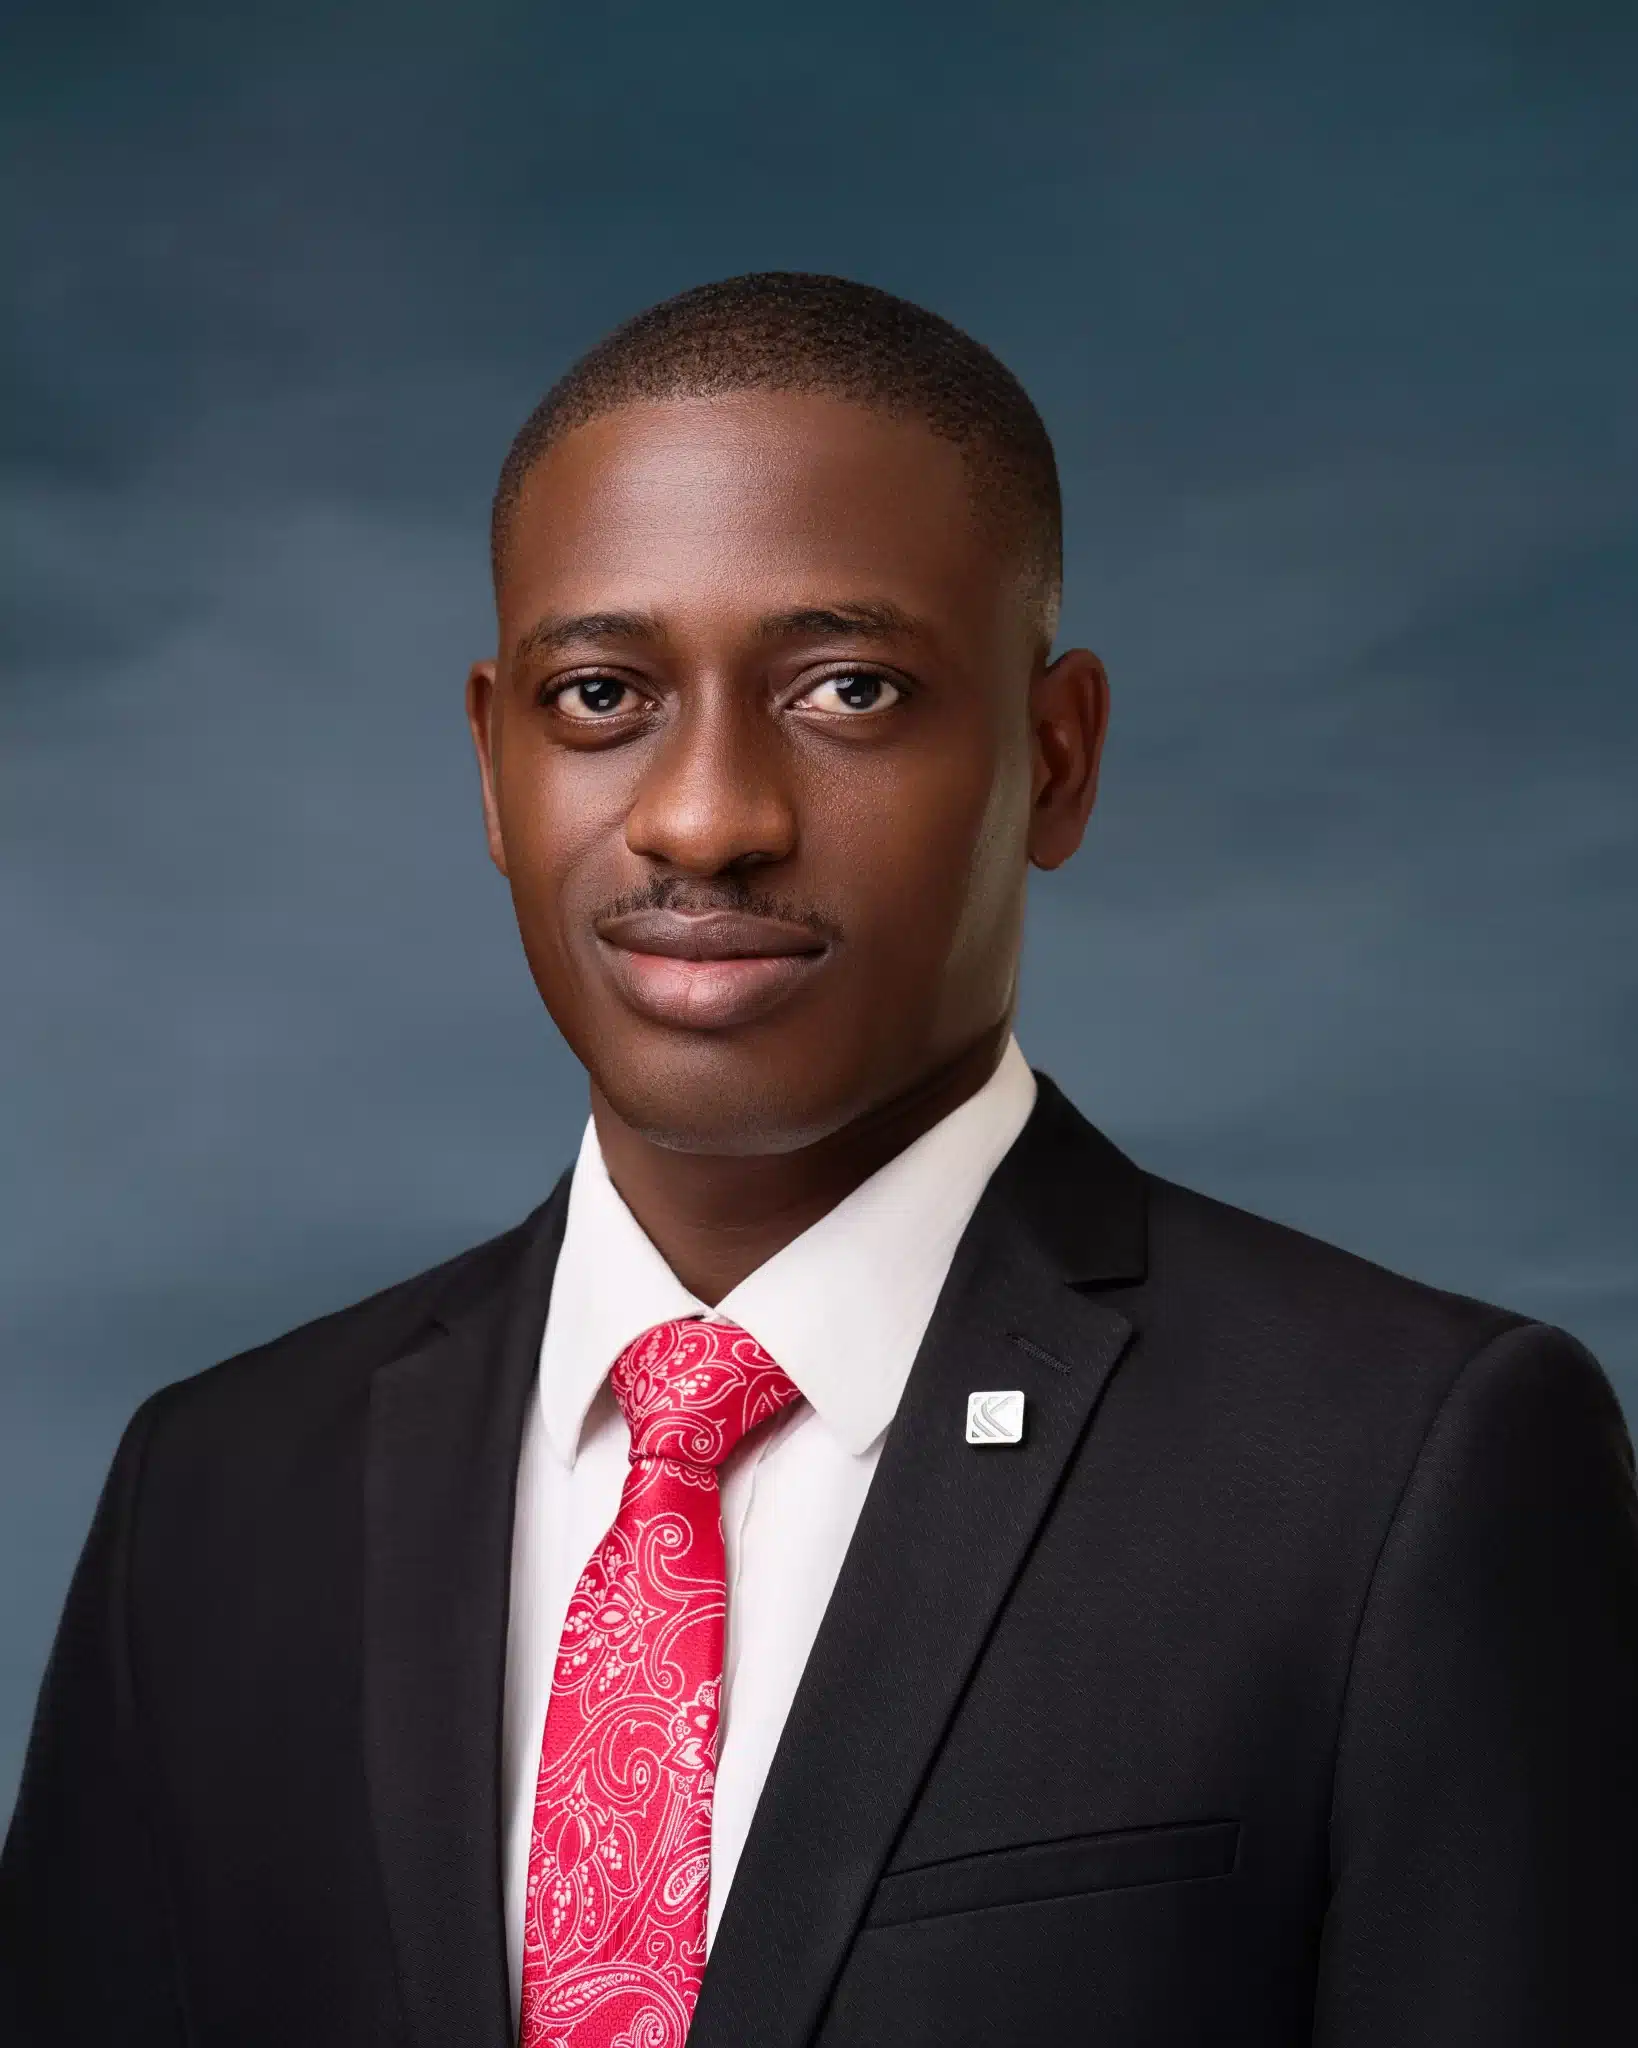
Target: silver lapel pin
[[995, 1418]]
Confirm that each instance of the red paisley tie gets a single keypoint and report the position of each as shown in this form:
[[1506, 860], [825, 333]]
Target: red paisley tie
[[620, 1860]]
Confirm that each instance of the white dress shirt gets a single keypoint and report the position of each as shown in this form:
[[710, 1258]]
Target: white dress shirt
[[842, 1309]]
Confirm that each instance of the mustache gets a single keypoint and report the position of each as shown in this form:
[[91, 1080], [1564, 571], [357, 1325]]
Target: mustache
[[725, 892]]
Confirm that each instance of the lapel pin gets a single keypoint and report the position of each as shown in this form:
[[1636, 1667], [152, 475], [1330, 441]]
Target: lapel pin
[[995, 1418]]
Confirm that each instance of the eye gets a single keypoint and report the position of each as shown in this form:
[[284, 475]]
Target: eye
[[858, 691], [592, 698]]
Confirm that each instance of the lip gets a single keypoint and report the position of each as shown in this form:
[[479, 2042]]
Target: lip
[[707, 970]]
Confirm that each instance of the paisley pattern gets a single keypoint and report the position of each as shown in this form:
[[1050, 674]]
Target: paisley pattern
[[620, 1860]]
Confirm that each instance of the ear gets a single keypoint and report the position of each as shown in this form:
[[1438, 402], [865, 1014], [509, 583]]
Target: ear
[[1069, 715], [481, 717]]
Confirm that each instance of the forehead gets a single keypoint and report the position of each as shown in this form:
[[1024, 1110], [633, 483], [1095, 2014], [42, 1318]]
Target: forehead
[[755, 498]]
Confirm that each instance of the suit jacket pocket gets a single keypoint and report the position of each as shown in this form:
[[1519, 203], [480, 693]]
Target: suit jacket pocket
[[1056, 1870]]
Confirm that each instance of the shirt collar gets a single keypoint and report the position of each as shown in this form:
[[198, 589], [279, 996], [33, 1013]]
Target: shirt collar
[[843, 1307]]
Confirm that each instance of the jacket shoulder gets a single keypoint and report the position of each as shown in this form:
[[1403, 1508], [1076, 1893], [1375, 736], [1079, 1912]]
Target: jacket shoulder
[[1199, 1243], [1310, 1359], [327, 1363], [1295, 1319], [1221, 1279]]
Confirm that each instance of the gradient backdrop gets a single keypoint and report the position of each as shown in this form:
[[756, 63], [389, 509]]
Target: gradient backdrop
[[1332, 314]]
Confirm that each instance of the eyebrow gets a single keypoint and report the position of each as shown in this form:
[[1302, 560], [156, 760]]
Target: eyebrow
[[558, 630], [864, 619]]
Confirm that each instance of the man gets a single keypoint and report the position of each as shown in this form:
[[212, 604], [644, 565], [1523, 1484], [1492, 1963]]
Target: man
[[860, 1527]]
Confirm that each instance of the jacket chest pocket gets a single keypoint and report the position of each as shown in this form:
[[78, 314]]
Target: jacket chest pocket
[[1039, 1871]]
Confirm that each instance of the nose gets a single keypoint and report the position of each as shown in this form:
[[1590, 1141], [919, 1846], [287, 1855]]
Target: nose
[[717, 795]]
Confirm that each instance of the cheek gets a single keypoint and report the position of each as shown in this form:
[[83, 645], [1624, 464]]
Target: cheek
[[934, 861], [558, 814], [989, 922]]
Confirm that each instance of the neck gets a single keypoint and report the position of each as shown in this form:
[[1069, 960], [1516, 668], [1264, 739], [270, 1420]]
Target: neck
[[715, 1218]]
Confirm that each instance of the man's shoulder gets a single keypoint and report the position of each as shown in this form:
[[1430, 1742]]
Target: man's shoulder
[[1242, 1262], [1215, 1279], [1305, 1327], [323, 1367], [1260, 1334]]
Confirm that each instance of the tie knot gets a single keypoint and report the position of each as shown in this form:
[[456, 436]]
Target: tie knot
[[690, 1390]]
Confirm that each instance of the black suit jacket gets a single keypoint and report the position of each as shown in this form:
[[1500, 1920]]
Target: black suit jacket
[[1280, 1687]]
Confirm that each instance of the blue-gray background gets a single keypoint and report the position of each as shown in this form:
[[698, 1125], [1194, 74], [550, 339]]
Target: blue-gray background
[[1332, 314]]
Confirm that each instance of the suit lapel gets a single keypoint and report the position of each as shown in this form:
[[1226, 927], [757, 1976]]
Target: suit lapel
[[440, 1473], [944, 1532]]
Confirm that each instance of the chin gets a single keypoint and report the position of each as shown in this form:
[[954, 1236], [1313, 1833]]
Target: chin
[[703, 1095]]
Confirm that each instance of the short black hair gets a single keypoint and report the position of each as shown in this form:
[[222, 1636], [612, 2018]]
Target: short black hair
[[790, 330]]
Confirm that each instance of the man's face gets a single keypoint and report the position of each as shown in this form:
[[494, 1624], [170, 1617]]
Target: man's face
[[763, 761]]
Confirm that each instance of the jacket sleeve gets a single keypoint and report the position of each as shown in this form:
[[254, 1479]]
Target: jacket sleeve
[[1484, 1845], [86, 1954]]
